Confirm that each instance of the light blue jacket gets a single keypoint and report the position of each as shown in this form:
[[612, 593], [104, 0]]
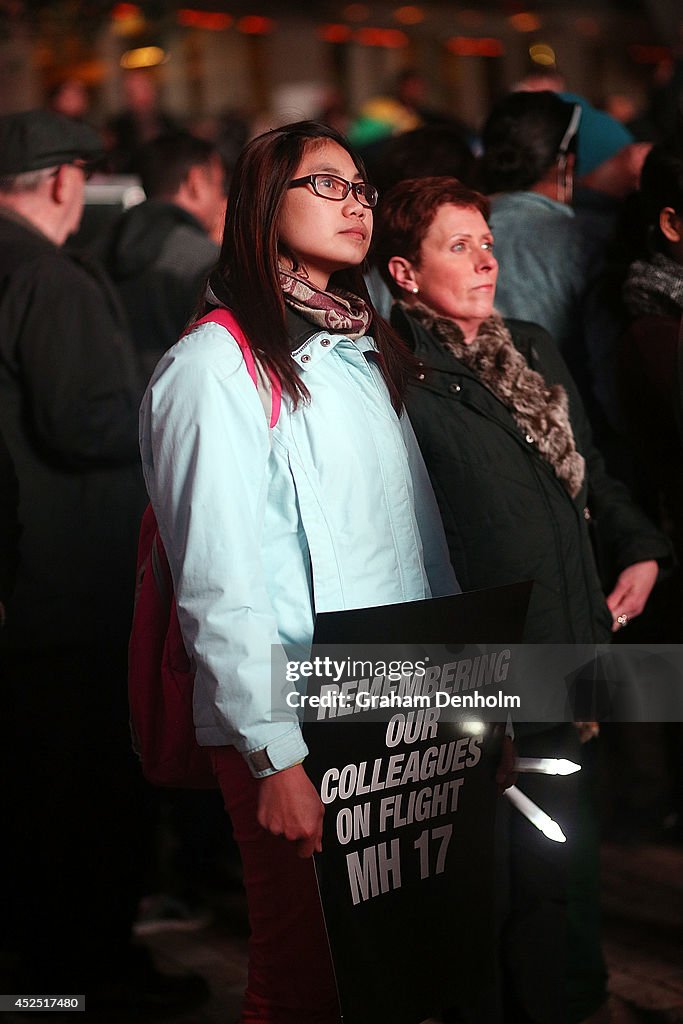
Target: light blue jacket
[[334, 501]]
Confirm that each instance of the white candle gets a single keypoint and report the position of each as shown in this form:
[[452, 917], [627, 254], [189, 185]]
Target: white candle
[[543, 822], [547, 765]]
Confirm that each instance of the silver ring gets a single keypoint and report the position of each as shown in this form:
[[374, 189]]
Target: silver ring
[[622, 620]]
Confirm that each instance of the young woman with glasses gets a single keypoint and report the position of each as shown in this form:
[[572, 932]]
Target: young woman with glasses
[[328, 508]]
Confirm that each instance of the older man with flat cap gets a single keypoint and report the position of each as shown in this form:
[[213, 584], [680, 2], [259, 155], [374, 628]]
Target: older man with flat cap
[[69, 393]]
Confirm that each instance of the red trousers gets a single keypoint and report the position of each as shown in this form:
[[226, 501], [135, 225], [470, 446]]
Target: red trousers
[[291, 980]]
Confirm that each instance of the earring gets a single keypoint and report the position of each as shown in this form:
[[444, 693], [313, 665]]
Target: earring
[[415, 289]]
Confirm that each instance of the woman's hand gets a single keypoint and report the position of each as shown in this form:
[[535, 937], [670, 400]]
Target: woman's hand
[[289, 806], [631, 592]]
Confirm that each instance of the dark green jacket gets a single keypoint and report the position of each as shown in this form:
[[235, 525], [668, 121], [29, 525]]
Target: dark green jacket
[[507, 516]]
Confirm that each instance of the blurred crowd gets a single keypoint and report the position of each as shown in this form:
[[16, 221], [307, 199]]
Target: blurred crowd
[[586, 211]]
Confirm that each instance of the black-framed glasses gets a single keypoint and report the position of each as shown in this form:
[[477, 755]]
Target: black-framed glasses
[[331, 186]]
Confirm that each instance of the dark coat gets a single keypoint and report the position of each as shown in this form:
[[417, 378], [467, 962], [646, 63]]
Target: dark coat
[[506, 514], [69, 396], [9, 526], [648, 358], [158, 256]]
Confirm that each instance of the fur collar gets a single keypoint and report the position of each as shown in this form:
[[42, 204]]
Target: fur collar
[[539, 410]]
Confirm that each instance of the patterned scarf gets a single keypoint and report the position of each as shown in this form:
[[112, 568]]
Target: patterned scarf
[[337, 310], [540, 411], [654, 286]]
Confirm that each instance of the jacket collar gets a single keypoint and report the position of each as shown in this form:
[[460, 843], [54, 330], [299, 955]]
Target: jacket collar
[[7, 213], [427, 349], [431, 353], [299, 329], [310, 344], [435, 357]]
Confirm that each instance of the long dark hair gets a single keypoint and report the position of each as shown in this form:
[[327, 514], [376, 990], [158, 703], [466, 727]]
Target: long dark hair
[[246, 277]]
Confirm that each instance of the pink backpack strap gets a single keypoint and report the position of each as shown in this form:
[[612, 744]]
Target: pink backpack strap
[[224, 318]]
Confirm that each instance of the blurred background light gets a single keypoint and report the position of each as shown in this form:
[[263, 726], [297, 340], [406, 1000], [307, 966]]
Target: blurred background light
[[213, 21], [542, 54], [122, 11], [650, 54], [471, 18], [525, 21], [356, 12], [127, 19], [255, 25], [409, 15], [470, 46], [391, 38], [334, 33], [587, 26], [143, 57]]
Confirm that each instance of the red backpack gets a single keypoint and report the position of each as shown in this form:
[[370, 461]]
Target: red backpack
[[160, 673]]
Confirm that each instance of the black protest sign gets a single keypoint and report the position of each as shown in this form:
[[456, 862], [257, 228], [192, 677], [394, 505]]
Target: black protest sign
[[406, 873], [496, 615]]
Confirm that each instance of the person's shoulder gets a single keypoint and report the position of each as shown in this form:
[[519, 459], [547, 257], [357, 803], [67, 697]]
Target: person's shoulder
[[534, 342], [21, 236], [49, 274], [526, 329], [541, 353], [22, 247], [533, 208], [204, 350], [188, 250], [409, 328], [513, 202]]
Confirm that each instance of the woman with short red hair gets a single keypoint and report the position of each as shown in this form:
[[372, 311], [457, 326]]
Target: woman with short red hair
[[517, 478]]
